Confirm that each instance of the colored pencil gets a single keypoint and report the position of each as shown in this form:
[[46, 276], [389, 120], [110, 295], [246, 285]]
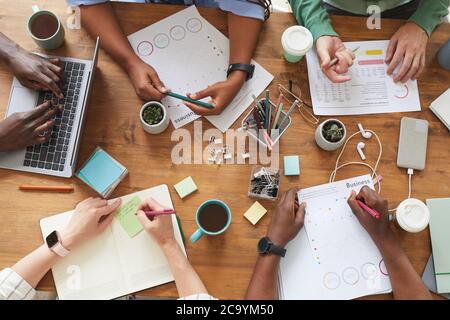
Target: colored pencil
[[268, 110], [368, 209], [29, 187], [196, 102], [277, 116], [258, 105]]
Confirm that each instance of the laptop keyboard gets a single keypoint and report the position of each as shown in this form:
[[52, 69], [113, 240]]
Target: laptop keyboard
[[52, 154]]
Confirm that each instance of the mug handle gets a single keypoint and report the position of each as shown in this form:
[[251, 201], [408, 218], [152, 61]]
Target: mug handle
[[35, 8], [196, 235]]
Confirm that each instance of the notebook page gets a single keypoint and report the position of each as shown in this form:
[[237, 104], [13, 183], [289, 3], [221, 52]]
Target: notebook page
[[91, 271], [142, 262]]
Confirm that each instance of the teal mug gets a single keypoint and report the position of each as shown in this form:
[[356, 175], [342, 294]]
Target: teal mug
[[209, 222], [45, 29]]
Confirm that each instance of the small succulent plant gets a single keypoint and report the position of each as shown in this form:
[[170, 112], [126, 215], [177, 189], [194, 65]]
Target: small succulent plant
[[153, 114], [333, 131]]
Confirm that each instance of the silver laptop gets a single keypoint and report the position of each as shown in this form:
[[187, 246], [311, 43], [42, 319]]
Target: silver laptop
[[58, 156]]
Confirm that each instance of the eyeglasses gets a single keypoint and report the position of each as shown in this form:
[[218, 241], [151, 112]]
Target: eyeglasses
[[304, 108]]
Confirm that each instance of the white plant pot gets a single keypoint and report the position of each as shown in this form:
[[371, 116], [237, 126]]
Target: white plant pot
[[324, 143], [155, 128]]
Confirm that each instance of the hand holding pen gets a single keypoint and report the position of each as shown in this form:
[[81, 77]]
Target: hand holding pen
[[161, 228], [367, 205], [221, 94], [335, 58]]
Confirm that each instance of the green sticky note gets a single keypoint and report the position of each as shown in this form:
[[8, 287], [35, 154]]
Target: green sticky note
[[185, 187], [127, 217], [291, 166]]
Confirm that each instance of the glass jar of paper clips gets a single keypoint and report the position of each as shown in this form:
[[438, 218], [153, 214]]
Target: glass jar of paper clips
[[264, 183]]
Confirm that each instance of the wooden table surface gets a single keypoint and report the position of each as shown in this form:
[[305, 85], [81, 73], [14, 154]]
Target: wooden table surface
[[225, 263]]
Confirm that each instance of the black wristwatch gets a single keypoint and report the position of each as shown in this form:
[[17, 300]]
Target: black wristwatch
[[248, 68], [266, 246]]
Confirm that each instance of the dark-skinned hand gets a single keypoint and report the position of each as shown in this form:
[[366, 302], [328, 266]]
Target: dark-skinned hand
[[24, 129], [288, 218]]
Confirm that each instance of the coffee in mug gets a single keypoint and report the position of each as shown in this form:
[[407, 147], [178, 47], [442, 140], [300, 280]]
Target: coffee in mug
[[45, 29], [213, 218], [44, 26]]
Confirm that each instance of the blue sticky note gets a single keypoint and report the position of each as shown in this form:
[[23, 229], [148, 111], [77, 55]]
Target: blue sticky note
[[291, 165], [101, 171]]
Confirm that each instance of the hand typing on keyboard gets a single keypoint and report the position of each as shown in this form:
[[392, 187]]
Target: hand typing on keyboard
[[30, 69], [27, 128]]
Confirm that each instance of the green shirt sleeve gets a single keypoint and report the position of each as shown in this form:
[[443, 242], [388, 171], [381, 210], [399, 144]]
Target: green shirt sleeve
[[430, 14], [312, 15]]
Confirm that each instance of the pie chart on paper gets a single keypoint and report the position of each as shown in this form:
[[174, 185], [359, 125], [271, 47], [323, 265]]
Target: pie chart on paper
[[401, 91]]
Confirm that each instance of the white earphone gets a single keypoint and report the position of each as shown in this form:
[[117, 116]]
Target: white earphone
[[364, 133], [359, 147]]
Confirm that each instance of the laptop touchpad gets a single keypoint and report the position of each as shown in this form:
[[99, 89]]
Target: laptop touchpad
[[22, 100]]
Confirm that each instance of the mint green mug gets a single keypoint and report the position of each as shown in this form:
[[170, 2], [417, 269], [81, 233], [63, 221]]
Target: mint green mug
[[221, 224], [45, 29]]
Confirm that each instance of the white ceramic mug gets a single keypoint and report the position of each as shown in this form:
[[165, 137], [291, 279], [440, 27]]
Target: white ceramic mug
[[52, 42]]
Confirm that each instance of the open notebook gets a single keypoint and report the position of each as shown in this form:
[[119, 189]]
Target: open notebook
[[113, 264]]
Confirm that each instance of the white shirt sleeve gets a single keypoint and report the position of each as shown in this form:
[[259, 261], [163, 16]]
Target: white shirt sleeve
[[14, 287]]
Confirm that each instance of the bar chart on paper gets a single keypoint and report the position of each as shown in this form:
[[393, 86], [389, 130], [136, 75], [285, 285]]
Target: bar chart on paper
[[189, 54], [370, 91]]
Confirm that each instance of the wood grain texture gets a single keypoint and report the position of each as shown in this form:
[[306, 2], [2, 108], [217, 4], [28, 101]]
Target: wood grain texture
[[225, 263]]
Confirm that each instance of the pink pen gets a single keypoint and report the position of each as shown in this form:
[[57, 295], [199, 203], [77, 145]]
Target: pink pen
[[369, 210], [152, 214]]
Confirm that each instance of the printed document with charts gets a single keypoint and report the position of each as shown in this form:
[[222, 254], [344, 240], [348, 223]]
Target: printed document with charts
[[333, 257], [190, 54], [370, 91], [113, 264]]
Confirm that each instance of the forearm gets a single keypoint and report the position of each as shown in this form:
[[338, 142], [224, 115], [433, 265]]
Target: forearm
[[243, 34], [264, 282], [35, 265], [100, 21], [430, 14], [186, 278], [7, 48], [406, 283], [312, 15]]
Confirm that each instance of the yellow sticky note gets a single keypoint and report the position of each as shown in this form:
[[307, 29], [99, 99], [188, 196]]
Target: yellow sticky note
[[255, 213]]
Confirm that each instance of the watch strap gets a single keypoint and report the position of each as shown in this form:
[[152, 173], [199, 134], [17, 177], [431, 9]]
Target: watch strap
[[248, 68], [59, 249], [279, 251]]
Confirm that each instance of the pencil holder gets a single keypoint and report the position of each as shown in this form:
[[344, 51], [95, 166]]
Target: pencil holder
[[254, 134], [264, 183]]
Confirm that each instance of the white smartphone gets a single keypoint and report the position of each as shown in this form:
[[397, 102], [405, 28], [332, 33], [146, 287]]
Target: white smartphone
[[412, 147]]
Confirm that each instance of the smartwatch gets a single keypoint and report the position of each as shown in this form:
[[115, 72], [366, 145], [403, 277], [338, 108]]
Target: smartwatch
[[266, 246], [53, 241], [248, 68]]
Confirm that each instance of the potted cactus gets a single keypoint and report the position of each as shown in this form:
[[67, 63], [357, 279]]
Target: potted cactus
[[154, 118], [331, 134]]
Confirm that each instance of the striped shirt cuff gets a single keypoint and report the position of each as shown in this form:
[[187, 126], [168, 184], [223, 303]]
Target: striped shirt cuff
[[14, 287]]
